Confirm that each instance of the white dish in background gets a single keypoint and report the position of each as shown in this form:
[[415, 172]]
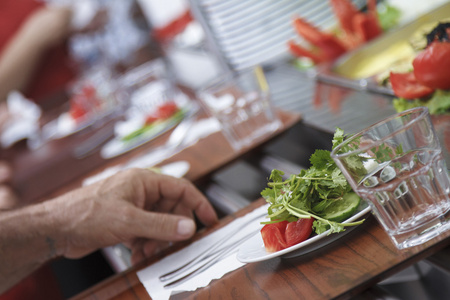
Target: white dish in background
[[253, 250], [145, 101], [117, 146], [176, 169]]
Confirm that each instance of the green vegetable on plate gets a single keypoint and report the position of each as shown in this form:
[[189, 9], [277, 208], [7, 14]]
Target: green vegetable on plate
[[320, 192]]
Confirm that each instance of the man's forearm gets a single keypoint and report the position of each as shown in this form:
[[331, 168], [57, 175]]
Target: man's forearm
[[27, 240]]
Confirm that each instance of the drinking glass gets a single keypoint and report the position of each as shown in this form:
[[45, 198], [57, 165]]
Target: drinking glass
[[241, 103], [397, 166]]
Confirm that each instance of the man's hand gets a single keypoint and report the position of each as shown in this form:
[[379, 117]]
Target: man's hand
[[137, 207]]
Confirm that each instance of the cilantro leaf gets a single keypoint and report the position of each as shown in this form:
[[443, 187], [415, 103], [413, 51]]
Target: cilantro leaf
[[276, 176], [320, 158]]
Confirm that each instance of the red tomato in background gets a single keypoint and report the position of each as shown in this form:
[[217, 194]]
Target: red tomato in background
[[78, 107], [406, 86], [281, 235], [432, 66], [89, 91], [150, 119], [77, 111], [166, 110]]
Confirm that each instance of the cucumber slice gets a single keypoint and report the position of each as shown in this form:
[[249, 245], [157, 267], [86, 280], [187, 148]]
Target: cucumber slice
[[342, 209]]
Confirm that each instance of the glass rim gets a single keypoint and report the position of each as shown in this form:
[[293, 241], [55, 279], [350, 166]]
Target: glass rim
[[422, 110]]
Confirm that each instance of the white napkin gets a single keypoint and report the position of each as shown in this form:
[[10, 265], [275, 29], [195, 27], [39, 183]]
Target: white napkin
[[24, 122], [239, 228]]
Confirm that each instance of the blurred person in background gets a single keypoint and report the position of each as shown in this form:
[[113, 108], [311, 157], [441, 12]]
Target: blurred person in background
[[138, 207], [34, 57], [35, 60]]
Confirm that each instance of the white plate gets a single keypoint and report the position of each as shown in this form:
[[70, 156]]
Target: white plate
[[253, 250], [117, 146]]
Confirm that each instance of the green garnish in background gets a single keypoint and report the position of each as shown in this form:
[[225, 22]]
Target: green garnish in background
[[313, 193], [438, 104], [388, 16], [156, 126]]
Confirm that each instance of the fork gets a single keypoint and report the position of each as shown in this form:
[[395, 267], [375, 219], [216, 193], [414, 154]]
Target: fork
[[211, 255], [212, 259]]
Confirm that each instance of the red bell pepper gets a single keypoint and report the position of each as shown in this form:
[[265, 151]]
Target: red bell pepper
[[328, 46], [357, 27]]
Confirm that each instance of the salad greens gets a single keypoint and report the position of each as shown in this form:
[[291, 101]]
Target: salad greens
[[439, 103], [309, 193]]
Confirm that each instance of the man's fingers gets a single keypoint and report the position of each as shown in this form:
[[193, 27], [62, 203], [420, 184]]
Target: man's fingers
[[160, 226], [5, 172], [174, 192], [8, 198]]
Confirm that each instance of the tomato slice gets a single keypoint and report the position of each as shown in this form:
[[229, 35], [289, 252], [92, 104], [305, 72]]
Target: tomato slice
[[432, 66], [273, 236], [281, 235], [405, 85], [298, 231]]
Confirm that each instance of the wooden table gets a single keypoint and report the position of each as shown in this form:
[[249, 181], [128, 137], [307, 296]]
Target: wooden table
[[343, 269]]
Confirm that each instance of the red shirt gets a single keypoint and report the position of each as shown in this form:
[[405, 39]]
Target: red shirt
[[55, 70]]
